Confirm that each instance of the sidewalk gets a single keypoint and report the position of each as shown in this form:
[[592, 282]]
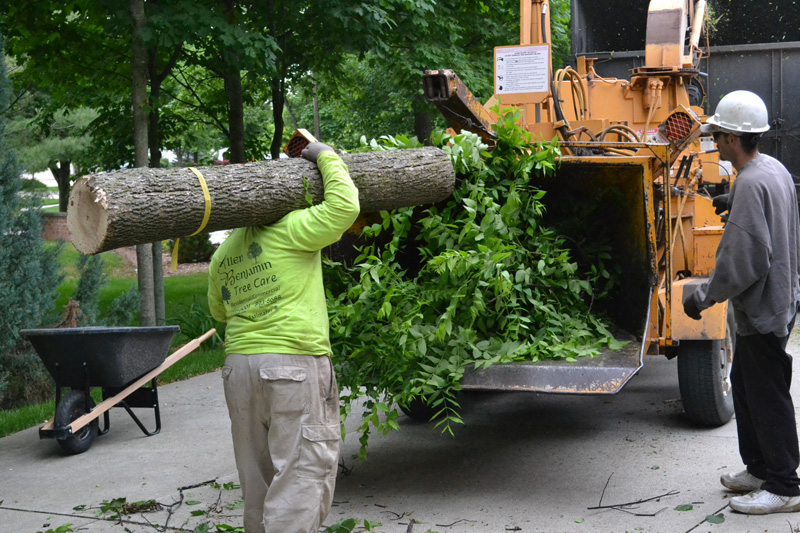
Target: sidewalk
[[42, 488], [522, 462]]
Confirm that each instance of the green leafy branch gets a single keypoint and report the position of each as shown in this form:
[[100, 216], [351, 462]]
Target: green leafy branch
[[475, 281]]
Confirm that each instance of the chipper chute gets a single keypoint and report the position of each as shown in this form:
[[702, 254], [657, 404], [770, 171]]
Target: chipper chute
[[591, 202]]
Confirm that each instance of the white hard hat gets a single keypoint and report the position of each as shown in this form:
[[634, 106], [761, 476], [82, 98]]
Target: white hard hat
[[738, 112]]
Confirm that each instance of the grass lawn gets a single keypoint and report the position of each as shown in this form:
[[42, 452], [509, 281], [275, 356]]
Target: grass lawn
[[185, 299]]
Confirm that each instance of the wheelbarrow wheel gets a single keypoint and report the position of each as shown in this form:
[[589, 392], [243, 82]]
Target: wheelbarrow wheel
[[71, 407], [704, 370]]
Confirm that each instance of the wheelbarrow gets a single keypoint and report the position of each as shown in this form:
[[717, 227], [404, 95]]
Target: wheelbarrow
[[121, 361]]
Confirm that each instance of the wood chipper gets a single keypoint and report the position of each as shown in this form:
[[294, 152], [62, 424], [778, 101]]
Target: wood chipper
[[634, 172]]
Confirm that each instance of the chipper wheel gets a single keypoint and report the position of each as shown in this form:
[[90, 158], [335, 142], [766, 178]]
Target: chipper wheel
[[71, 407], [704, 370]]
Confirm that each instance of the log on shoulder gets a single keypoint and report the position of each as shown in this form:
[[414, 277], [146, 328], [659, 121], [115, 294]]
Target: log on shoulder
[[141, 205]]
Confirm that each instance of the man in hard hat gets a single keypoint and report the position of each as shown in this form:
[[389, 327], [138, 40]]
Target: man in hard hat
[[758, 270], [280, 387]]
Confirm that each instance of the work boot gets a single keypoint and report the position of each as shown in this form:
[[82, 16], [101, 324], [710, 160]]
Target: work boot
[[764, 502], [742, 481]]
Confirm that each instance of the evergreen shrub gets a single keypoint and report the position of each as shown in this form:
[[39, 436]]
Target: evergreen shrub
[[29, 276], [194, 249]]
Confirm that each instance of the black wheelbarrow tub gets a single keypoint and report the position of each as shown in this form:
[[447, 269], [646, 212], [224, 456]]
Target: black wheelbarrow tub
[[106, 357]]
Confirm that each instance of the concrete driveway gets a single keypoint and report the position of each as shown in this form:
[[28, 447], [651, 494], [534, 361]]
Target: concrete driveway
[[522, 462]]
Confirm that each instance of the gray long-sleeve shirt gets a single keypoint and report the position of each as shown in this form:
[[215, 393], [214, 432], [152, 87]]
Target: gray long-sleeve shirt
[[758, 258]]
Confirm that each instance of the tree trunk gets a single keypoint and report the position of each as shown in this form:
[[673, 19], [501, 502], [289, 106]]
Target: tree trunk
[[61, 173], [144, 252], [423, 124], [277, 83], [153, 133], [154, 141], [233, 90], [159, 300], [131, 206], [316, 114]]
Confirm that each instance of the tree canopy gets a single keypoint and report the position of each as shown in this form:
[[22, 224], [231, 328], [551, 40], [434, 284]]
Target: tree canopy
[[242, 75]]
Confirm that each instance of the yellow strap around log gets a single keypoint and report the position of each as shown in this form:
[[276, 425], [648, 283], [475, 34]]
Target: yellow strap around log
[[206, 216]]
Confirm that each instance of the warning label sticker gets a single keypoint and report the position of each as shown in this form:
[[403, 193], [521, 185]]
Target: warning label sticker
[[521, 69]]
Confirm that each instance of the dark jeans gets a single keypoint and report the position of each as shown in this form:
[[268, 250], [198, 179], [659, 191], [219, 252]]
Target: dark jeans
[[761, 375]]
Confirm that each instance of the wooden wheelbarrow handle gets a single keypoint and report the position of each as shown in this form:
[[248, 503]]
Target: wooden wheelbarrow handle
[[107, 404]]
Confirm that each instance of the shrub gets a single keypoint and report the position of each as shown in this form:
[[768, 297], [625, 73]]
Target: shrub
[[194, 320], [29, 275], [123, 309], [92, 279], [194, 249], [33, 185], [87, 293]]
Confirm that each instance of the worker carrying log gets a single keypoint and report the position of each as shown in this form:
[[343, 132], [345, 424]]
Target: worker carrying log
[[265, 282]]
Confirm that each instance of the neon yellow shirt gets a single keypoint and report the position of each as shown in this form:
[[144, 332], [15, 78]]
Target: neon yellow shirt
[[266, 281]]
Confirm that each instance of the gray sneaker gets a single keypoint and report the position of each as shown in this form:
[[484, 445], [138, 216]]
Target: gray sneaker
[[742, 481], [764, 502]]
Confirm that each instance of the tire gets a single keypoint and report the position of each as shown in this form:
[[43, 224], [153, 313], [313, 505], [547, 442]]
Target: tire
[[704, 370], [71, 407]]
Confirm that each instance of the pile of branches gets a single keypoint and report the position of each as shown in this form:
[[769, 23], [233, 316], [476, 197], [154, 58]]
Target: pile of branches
[[473, 282]]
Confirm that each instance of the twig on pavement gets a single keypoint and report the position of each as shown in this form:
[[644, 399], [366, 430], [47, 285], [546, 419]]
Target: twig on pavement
[[629, 504], [640, 514], [454, 523], [397, 516], [173, 506], [704, 519], [604, 489]]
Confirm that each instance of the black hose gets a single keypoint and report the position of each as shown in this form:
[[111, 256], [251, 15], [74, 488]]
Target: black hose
[[544, 34], [680, 171]]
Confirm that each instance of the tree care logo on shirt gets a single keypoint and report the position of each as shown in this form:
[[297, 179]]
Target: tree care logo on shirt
[[249, 285], [254, 251]]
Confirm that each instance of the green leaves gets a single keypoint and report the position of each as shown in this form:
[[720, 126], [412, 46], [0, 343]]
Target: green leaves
[[349, 524], [64, 528], [711, 519], [472, 283]]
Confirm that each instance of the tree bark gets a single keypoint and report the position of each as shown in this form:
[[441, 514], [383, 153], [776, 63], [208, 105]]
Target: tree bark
[[132, 206], [154, 140], [159, 299], [233, 90], [278, 95], [144, 252], [61, 172], [423, 123]]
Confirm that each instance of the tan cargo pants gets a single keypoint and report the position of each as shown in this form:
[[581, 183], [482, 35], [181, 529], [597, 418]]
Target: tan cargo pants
[[284, 412]]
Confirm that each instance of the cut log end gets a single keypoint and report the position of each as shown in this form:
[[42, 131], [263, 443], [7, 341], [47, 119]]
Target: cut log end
[[88, 224]]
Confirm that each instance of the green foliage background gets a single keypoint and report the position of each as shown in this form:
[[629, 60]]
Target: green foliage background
[[29, 275], [472, 283]]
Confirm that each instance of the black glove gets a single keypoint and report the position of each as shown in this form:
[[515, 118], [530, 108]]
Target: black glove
[[312, 151], [720, 203], [691, 308]]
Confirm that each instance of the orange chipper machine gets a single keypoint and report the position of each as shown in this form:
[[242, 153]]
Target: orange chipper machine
[[636, 167]]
